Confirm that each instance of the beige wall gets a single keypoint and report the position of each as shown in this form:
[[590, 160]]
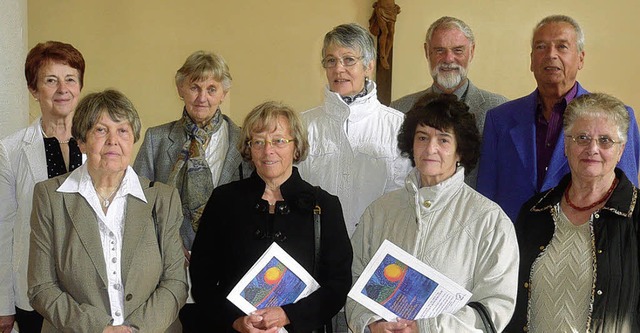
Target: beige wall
[[273, 47]]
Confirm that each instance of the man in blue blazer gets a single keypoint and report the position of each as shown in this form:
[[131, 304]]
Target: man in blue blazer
[[523, 141]]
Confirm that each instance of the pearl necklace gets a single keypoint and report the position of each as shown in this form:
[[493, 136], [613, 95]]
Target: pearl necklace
[[582, 209]]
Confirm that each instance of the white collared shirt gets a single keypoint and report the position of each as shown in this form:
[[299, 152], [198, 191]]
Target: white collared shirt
[[111, 227], [216, 151]]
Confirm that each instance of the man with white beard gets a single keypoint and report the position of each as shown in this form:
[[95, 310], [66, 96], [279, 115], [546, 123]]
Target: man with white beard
[[449, 48]]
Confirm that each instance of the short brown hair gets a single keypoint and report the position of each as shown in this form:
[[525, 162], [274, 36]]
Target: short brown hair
[[52, 51], [91, 107], [443, 112], [266, 114]]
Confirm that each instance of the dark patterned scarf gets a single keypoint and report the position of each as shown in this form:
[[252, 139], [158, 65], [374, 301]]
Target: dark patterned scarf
[[351, 99], [191, 174]]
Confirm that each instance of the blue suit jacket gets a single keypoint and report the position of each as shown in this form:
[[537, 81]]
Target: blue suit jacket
[[507, 171]]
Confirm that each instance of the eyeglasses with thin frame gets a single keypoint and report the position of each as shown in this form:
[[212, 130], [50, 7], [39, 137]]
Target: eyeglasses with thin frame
[[603, 142], [346, 61], [259, 144]]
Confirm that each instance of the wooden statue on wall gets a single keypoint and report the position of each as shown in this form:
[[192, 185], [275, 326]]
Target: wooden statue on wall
[[382, 24]]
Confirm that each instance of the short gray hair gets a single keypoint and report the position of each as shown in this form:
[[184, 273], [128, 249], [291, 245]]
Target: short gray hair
[[351, 36], [447, 22], [562, 19], [598, 105], [201, 65], [110, 101]]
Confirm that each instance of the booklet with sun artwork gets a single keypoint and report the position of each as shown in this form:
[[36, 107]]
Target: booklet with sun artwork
[[395, 285], [275, 279]]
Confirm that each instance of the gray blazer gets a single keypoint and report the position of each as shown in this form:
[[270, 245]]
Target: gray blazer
[[67, 274], [159, 152], [479, 102]]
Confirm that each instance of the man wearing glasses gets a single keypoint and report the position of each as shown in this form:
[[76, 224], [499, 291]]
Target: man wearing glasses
[[523, 142]]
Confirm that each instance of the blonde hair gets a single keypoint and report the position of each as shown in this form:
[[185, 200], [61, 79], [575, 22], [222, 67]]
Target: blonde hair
[[266, 115], [201, 65]]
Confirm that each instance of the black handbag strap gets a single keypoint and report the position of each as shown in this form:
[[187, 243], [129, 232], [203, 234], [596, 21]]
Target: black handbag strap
[[484, 315], [317, 229]]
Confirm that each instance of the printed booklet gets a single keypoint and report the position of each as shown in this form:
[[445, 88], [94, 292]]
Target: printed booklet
[[275, 279], [397, 285]]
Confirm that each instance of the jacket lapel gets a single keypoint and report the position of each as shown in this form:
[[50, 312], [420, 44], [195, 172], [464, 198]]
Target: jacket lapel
[[177, 137], [233, 158], [33, 150], [84, 221], [474, 99], [521, 135], [137, 220]]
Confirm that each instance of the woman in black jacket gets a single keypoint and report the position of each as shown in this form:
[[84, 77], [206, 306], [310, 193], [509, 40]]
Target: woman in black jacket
[[243, 218], [579, 262]]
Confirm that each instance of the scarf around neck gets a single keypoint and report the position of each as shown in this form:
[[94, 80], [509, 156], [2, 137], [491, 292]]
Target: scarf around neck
[[191, 174]]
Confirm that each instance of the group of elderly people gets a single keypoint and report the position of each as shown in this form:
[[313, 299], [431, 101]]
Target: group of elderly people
[[91, 244]]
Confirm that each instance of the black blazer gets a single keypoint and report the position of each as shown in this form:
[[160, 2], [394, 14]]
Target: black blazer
[[236, 229], [616, 294]]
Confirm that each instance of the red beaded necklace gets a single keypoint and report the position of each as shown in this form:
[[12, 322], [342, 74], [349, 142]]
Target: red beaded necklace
[[582, 209]]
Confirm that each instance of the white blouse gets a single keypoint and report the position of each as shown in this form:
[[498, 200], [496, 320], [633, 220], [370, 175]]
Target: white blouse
[[110, 225]]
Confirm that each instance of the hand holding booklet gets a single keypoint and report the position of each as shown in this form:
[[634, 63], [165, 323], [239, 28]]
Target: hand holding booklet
[[395, 285], [275, 279]]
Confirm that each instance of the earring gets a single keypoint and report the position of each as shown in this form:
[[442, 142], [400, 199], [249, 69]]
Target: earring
[[458, 164]]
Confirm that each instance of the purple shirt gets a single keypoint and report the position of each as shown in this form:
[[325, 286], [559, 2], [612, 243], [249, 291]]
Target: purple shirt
[[548, 131]]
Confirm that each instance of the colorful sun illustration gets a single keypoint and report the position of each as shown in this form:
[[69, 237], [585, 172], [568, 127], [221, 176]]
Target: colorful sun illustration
[[272, 275], [393, 272]]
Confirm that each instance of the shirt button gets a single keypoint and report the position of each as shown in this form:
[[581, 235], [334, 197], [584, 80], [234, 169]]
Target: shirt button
[[596, 215], [129, 297], [427, 203], [116, 286], [118, 314], [599, 292], [113, 260], [541, 247], [526, 284], [599, 251]]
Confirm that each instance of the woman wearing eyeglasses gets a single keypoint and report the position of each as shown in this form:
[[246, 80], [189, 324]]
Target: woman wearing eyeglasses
[[243, 218], [579, 259], [352, 136]]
